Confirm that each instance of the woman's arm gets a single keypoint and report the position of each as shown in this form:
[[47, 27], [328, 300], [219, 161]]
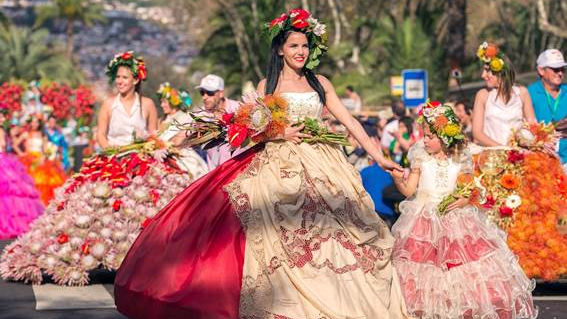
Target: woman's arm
[[340, 112], [528, 107], [103, 123], [478, 120], [152, 114]]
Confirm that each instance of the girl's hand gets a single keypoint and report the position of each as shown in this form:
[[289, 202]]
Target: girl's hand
[[459, 203], [294, 135], [389, 166]]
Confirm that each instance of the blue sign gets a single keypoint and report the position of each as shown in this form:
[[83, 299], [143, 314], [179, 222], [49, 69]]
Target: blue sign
[[415, 87]]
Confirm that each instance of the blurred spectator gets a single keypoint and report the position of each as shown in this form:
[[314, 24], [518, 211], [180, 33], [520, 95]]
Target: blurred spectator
[[354, 102], [375, 180], [398, 111], [404, 138], [463, 110]]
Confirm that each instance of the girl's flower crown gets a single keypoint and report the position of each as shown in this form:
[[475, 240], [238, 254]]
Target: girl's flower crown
[[490, 55], [181, 100], [301, 20], [136, 64], [442, 122]]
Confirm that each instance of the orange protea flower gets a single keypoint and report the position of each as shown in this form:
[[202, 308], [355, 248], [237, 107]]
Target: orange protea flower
[[158, 142], [281, 103], [270, 101], [242, 116], [440, 122], [509, 181], [464, 179], [491, 50]]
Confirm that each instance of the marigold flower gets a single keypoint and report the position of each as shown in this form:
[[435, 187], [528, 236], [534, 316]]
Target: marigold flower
[[496, 64], [509, 181], [452, 130]]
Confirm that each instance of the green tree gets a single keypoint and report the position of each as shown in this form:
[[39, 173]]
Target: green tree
[[24, 55], [81, 11]]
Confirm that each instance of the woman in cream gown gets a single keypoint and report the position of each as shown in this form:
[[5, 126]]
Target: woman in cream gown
[[284, 230]]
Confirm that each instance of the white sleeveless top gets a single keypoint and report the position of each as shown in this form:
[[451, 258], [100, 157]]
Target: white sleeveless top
[[123, 125], [301, 105], [35, 144], [500, 118]]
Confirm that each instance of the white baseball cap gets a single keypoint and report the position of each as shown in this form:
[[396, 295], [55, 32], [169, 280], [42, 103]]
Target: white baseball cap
[[551, 58], [211, 83]]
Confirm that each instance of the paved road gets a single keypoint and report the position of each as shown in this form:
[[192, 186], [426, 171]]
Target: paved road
[[17, 301]]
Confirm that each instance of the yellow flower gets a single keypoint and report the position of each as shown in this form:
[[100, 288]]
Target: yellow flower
[[496, 64], [480, 52], [452, 130]]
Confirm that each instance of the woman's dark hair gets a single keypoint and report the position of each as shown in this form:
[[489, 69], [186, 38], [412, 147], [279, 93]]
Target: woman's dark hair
[[507, 79], [276, 63]]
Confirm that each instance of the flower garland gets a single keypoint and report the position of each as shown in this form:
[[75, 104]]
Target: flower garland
[[11, 95], [301, 20], [65, 102], [128, 59], [490, 54], [442, 121], [181, 100]]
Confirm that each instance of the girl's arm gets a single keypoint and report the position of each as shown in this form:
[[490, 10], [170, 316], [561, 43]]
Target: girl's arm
[[528, 108], [478, 120], [406, 186], [338, 110]]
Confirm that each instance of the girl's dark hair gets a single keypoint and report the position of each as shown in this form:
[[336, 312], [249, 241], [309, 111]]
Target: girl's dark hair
[[507, 79], [276, 63]]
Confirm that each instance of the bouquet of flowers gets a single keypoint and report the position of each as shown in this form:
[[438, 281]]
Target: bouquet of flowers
[[467, 187], [536, 137], [258, 120]]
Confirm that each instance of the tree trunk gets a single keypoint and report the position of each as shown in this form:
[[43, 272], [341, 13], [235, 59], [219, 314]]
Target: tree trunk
[[545, 25], [70, 40], [456, 33]]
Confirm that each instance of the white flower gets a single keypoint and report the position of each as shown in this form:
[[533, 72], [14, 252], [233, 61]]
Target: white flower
[[118, 192], [106, 219], [75, 275], [525, 137], [513, 201], [98, 249], [106, 233], [50, 261], [484, 45], [102, 191], [76, 256], [75, 242], [319, 29], [35, 247], [83, 221], [89, 262], [250, 97], [119, 235], [123, 246], [140, 194]]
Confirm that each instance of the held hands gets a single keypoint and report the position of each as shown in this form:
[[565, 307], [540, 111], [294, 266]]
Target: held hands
[[390, 166], [294, 135]]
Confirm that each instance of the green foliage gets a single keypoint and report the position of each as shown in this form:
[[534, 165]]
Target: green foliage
[[24, 55], [82, 11]]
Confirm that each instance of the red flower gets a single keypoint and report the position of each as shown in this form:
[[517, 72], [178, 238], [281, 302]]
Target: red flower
[[299, 17], [280, 19], [515, 156], [126, 56], [85, 248], [227, 118], [116, 205], [62, 238], [506, 211], [60, 206], [154, 196], [434, 104], [489, 203], [237, 134], [142, 72]]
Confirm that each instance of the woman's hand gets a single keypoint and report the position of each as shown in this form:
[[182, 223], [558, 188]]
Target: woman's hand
[[389, 165], [459, 203], [294, 135]]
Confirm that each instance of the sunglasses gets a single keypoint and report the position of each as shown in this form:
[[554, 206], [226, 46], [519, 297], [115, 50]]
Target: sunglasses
[[557, 70], [208, 93]]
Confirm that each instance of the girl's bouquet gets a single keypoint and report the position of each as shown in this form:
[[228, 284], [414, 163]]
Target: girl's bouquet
[[259, 119], [467, 187]]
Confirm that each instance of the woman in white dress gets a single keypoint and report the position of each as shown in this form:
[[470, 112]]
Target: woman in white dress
[[502, 106], [175, 105]]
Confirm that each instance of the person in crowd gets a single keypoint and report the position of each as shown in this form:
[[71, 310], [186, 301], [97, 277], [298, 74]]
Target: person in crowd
[[398, 111], [56, 137], [464, 111], [356, 101], [549, 95], [404, 138]]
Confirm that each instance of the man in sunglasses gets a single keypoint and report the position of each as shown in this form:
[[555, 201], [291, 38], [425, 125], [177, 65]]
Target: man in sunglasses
[[549, 95], [215, 104]]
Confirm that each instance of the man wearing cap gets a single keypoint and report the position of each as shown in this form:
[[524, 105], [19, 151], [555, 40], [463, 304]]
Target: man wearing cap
[[549, 94], [214, 105]]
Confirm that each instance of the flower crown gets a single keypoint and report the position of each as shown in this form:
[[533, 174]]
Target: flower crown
[[181, 100], [442, 122], [301, 20], [491, 55], [136, 64]]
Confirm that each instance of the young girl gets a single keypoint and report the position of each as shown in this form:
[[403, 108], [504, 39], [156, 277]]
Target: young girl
[[453, 265]]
